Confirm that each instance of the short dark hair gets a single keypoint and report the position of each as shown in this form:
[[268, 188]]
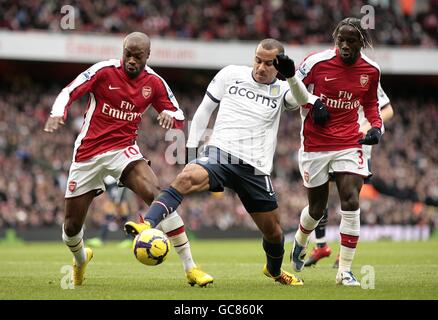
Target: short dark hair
[[270, 44], [355, 23]]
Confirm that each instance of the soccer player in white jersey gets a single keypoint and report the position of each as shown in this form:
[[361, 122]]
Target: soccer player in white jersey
[[119, 92], [322, 249], [239, 154]]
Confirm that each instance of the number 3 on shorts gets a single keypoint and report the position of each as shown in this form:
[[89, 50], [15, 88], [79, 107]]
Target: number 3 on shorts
[[360, 152]]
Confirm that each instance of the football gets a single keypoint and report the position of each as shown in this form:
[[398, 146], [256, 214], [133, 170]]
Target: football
[[151, 247]]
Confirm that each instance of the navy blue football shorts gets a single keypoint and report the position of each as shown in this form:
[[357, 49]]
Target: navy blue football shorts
[[253, 187]]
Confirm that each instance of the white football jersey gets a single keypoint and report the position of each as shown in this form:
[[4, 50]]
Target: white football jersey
[[248, 117]]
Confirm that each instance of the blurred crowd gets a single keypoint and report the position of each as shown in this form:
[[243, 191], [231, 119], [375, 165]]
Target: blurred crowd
[[34, 167], [397, 22]]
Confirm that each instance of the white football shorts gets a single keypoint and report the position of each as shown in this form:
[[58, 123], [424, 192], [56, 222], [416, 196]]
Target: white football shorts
[[89, 175], [315, 166]]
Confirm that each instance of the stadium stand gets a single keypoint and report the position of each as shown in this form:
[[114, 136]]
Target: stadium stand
[[296, 22]]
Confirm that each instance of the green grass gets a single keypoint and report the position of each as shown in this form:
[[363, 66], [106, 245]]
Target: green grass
[[403, 270]]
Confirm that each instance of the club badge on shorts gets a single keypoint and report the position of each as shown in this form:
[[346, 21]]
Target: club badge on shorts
[[306, 176], [72, 186], [146, 92]]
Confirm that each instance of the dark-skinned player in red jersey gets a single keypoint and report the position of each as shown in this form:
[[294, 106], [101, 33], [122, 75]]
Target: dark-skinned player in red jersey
[[119, 93], [344, 79]]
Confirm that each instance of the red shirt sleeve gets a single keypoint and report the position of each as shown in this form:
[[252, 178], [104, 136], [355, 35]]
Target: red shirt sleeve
[[165, 100], [83, 83], [370, 102]]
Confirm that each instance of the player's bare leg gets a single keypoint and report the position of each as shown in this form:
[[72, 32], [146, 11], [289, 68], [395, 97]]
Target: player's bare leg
[[140, 178], [309, 219], [273, 244], [349, 186], [72, 233]]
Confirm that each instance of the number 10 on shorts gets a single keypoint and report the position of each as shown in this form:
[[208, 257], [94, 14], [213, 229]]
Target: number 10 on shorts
[[131, 151]]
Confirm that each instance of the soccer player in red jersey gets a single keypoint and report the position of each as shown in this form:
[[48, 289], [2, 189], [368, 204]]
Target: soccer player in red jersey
[[119, 93], [322, 249], [344, 79]]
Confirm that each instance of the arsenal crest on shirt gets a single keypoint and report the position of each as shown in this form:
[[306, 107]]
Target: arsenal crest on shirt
[[146, 91], [364, 80]]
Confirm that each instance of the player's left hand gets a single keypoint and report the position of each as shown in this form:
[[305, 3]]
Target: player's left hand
[[53, 123], [320, 113], [284, 65], [372, 137], [165, 120]]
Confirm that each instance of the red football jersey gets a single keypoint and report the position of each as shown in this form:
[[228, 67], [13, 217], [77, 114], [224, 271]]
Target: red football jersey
[[115, 106], [342, 88]]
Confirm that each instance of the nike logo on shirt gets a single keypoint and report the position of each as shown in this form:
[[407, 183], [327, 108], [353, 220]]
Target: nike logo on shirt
[[113, 88], [329, 79]]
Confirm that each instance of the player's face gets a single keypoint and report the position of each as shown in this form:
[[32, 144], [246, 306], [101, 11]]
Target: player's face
[[349, 43], [263, 69], [135, 56]]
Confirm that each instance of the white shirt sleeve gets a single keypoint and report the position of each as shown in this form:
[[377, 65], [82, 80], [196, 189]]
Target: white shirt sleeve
[[298, 95], [382, 97], [60, 103], [200, 121]]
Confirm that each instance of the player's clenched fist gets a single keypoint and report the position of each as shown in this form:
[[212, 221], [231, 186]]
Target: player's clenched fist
[[165, 120], [53, 123], [320, 113], [284, 65], [372, 137]]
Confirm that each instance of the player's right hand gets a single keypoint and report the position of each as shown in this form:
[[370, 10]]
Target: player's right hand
[[320, 113], [53, 123], [284, 65]]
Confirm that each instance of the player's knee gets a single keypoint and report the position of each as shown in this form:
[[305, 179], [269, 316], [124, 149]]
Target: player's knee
[[350, 201], [316, 211], [184, 181], [72, 228], [273, 233]]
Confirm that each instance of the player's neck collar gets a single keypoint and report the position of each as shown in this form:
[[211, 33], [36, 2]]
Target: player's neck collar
[[266, 84]]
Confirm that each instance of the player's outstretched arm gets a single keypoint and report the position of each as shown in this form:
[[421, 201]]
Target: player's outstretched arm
[[299, 94], [53, 123], [198, 125]]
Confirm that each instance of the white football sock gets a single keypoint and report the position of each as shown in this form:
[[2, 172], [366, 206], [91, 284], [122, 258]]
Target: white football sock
[[173, 226], [307, 225], [321, 240], [350, 230], [76, 246]]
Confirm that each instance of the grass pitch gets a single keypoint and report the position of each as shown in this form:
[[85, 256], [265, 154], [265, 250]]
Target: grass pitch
[[402, 270]]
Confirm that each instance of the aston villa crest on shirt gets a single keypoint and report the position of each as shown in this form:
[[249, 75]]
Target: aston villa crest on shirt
[[146, 91], [274, 90], [364, 80]]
